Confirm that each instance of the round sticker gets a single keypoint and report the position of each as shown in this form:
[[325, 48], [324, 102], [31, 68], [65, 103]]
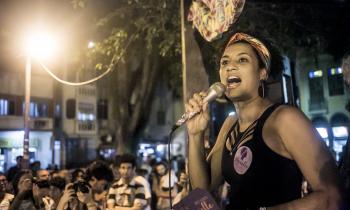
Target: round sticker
[[242, 160]]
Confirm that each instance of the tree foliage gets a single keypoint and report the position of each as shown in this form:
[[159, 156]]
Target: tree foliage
[[139, 40]]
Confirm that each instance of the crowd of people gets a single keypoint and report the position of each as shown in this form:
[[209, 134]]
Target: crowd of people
[[113, 185]]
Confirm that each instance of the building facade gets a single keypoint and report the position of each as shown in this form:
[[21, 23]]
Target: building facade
[[41, 113], [323, 97]]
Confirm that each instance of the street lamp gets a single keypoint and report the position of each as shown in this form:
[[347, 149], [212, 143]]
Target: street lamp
[[39, 45]]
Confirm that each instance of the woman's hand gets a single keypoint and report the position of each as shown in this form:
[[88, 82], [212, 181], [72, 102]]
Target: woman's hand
[[199, 122]]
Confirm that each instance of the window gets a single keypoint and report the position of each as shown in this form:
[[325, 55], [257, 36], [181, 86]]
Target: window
[[317, 100], [57, 110], [335, 82], [37, 109], [4, 106], [7, 107], [86, 112], [102, 109], [70, 105]]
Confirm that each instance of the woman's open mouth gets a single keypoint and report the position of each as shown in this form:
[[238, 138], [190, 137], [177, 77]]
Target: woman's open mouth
[[233, 81]]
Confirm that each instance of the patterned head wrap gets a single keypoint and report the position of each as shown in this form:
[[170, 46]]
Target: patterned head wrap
[[256, 44]]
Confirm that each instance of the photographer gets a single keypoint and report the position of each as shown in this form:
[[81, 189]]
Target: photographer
[[77, 196], [26, 193], [57, 186]]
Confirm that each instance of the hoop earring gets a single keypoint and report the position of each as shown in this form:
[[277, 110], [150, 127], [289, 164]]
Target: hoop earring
[[262, 88]]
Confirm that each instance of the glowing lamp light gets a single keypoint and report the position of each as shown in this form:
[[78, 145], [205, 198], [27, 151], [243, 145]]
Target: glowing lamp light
[[40, 45], [91, 44], [315, 74], [323, 132], [335, 71], [340, 132]]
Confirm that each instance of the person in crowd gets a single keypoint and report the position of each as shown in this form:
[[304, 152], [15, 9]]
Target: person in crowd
[[73, 198], [161, 185], [114, 167], [14, 169], [126, 193], [99, 177], [183, 187], [265, 149], [142, 178], [42, 175], [65, 174], [57, 186], [5, 197], [78, 175], [26, 194], [35, 166], [344, 162]]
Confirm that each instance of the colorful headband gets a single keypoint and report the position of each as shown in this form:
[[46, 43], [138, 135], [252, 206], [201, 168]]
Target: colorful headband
[[258, 45]]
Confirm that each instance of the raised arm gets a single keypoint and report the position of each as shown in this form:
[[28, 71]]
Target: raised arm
[[205, 174], [198, 167], [315, 161]]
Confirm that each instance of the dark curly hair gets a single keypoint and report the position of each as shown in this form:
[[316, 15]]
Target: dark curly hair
[[127, 158], [100, 170]]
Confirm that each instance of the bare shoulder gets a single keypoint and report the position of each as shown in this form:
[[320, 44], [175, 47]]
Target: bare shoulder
[[286, 115], [284, 112]]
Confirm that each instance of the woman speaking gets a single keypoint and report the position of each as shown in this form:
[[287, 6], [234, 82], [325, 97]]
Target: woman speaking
[[266, 149]]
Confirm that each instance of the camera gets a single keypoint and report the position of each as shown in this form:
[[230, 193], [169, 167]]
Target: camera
[[42, 183], [81, 186]]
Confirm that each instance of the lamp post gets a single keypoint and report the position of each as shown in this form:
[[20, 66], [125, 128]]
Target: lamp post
[[39, 45], [26, 113]]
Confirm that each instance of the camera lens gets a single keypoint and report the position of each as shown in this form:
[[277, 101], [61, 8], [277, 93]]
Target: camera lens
[[83, 188]]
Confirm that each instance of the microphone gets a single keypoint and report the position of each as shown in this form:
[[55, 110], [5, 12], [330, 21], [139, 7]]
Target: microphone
[[215, 91]]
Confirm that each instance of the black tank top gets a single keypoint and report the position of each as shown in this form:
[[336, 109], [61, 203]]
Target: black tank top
[[258, 176]]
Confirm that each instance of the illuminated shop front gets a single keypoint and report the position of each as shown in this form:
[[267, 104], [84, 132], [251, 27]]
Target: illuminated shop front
[[11, 145]]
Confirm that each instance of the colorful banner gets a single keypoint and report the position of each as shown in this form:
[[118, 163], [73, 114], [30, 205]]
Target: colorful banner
[[214, 17]]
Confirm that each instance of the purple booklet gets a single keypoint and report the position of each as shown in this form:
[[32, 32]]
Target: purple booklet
[[198, 199]]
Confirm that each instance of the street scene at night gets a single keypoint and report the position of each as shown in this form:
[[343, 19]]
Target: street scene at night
[[174, 104]]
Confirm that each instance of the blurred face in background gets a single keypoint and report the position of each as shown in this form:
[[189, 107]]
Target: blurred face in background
[[126, 171], [43, 175], [161, 170], [98, 186], [25, 182], [19, 160], [80, 176], [115, 170], [65, 174], [3, 183]]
